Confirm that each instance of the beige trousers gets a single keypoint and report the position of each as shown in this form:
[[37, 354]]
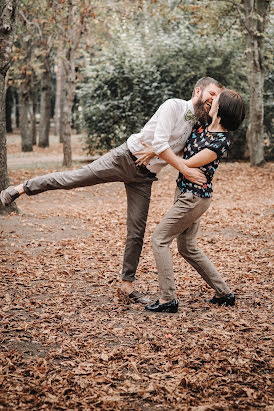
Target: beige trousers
[[182, 222], [117, 165]]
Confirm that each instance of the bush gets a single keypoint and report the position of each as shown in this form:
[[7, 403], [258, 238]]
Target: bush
[[125, 85], [119, 96]]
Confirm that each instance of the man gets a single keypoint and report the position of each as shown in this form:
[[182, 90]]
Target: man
[[167, 132]]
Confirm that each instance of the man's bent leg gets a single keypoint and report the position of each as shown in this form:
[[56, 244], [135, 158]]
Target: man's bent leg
[[138, 199]]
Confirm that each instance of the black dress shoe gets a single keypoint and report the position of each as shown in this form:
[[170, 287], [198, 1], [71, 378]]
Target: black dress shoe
[[227, 300], [157, 307]]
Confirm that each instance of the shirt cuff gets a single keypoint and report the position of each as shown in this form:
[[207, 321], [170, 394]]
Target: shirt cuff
[[158, 149]]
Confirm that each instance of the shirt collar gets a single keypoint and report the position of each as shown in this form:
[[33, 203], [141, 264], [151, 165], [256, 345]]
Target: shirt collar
[[190, 105]]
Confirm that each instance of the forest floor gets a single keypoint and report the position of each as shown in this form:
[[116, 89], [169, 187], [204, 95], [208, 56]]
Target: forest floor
[[68, 343]]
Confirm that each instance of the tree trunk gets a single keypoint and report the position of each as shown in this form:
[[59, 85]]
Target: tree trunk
[[69, 89], [9, 104], [61, 113], [75, 28], [33, 116], [59, 102], [45, 106], [75, 32], [24, 114], [255, 13], [17, 115], [67, 161], [7, 22]]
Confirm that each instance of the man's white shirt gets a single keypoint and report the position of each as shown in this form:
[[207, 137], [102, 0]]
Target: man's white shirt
[[167, 128]]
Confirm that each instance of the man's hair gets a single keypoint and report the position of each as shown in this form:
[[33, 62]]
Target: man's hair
[[204, 82], [231, 109]]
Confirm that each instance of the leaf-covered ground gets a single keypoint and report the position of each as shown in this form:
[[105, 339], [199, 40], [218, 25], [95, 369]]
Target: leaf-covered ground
[[68, 343]]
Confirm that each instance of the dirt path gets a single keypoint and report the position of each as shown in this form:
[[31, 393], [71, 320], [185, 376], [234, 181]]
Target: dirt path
[[68, 343], [44, 158]]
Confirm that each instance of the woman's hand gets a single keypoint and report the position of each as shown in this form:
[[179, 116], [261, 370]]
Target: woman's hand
[[146, 155]]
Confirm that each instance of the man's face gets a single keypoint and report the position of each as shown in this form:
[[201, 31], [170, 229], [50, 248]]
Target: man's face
[[204, 101]]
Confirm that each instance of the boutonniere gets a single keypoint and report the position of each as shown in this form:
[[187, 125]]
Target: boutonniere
[[189, 116]]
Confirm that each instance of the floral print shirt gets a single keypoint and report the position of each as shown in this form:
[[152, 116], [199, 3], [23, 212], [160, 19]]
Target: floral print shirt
[[200, 139]]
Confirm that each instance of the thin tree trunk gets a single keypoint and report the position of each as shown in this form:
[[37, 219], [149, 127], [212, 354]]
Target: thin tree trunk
[[4, 178], [7, 22], [74, 35], [62, 108], [17, 115], [9, 104], [67, 161], [59, 101], [45, 107], [24, 109], [69, 91], [255, 13], [33, 117]]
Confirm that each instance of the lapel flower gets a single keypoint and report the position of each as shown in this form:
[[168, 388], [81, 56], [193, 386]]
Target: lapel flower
[[189, 116]]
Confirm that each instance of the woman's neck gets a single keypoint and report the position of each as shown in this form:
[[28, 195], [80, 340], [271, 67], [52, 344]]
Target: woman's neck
[[215, 126]]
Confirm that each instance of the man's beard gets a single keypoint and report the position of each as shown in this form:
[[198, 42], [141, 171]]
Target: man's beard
[[201, 113]]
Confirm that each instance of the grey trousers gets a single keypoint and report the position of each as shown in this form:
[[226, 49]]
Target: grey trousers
[[117, 165], [182, 222]]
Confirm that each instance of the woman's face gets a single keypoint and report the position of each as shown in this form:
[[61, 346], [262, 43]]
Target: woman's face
[[214, 107]]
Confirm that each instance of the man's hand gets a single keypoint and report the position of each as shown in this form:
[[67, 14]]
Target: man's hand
[[194, 175], [146, 155]]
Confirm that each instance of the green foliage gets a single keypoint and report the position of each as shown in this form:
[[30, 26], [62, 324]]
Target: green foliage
[[146, 64], [126, 84], [119, 97]]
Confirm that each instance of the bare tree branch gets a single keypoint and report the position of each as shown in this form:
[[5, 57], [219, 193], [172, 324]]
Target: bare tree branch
[[31, 23]]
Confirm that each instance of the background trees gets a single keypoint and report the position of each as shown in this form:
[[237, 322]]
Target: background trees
[[147, 63], [253, 15], [162, 51], [139, 72], [106, 66], [248, 18]]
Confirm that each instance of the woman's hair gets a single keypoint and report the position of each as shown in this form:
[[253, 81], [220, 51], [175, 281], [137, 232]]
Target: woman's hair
[[231, 109]]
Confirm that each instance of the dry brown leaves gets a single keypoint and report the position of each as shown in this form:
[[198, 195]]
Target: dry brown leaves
[[66, 341]]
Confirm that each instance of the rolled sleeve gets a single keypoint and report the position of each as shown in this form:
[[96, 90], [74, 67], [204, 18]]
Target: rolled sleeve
[[165, 124], [219, 145]]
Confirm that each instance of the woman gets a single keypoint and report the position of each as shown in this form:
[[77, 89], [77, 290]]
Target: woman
[[203, 149]]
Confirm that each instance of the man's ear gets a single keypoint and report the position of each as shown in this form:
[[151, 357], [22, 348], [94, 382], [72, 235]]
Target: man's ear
[[197, 91]]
